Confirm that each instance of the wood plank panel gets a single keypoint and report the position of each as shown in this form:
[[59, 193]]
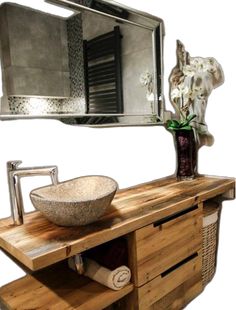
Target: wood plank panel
[[181, 296], [58, 287], [159, 287], [39, 243], [159, 248]]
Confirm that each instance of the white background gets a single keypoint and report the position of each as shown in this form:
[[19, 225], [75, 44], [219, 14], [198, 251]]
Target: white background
[[135, 155]]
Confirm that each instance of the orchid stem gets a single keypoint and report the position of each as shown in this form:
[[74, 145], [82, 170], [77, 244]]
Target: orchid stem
[[178, 110]]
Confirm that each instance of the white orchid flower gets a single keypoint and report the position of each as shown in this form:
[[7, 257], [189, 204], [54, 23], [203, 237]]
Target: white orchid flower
[[175, 94], [145, 78], [179, 92], [150, 97]]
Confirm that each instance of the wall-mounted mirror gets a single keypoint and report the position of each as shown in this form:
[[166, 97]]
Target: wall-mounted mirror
[[101, 66]]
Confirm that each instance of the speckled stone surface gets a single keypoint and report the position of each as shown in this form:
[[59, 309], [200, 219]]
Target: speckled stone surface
[[75, 202]]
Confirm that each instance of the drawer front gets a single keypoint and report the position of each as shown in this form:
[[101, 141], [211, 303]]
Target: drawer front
[[161, 245], [173, 288], [180, 296]]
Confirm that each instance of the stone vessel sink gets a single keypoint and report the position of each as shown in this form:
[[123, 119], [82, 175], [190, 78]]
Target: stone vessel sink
[[75, 202]]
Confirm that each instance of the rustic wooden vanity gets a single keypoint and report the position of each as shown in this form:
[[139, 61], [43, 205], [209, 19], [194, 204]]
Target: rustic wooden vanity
[[161, 222]]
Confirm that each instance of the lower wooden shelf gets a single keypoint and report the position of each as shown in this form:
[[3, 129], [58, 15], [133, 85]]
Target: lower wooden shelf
[[58, 287]]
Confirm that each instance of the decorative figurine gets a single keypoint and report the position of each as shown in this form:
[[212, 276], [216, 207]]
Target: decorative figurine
[[191, 82]]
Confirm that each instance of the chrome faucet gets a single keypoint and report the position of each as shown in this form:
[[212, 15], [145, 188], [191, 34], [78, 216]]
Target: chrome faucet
[[14, 175]]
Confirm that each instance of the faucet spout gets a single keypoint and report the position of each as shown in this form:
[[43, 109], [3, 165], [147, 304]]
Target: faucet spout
[[14, 174]]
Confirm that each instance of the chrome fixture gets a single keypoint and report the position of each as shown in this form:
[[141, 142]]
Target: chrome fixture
[[14, 175], [76, 263]]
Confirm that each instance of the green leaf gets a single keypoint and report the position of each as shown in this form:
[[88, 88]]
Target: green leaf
[[173, 124], [184, 123], [169, 124], [191, 117], [186, 128]]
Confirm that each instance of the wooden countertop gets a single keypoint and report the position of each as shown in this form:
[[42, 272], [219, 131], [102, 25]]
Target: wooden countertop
[[39, 243]]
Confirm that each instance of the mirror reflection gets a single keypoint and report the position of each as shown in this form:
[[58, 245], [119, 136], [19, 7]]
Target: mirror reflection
[[85, 65]]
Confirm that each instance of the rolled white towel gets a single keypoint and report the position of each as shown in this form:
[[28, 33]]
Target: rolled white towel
[[115, 279]]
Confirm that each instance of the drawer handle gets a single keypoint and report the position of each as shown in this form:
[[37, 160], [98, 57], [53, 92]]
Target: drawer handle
[[174, 216], [184, 261]]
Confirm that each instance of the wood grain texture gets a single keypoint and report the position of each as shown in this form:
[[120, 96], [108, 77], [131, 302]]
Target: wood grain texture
[[58, 287], [161, 247], [155, 290], [39, 243], [181, 296]]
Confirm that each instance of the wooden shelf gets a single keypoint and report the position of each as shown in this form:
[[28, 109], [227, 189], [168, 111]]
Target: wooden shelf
[[39, 243], [58, 287]]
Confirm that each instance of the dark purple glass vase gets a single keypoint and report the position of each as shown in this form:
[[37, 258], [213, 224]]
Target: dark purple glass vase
[[186, 154]]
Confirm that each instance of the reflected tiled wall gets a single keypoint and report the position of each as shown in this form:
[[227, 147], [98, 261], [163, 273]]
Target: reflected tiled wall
[[75, 56], [75, 101], [34, 52], [39, 106]]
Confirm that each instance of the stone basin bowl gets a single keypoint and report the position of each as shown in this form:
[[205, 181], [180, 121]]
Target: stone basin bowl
[[75, 202]]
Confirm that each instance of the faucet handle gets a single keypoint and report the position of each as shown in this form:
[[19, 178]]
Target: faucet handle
[[13, 164]]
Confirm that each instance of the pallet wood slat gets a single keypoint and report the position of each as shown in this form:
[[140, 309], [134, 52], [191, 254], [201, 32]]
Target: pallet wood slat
[[39, 243], [158, 288], [159, 248], [58, 287], [181, 296]]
